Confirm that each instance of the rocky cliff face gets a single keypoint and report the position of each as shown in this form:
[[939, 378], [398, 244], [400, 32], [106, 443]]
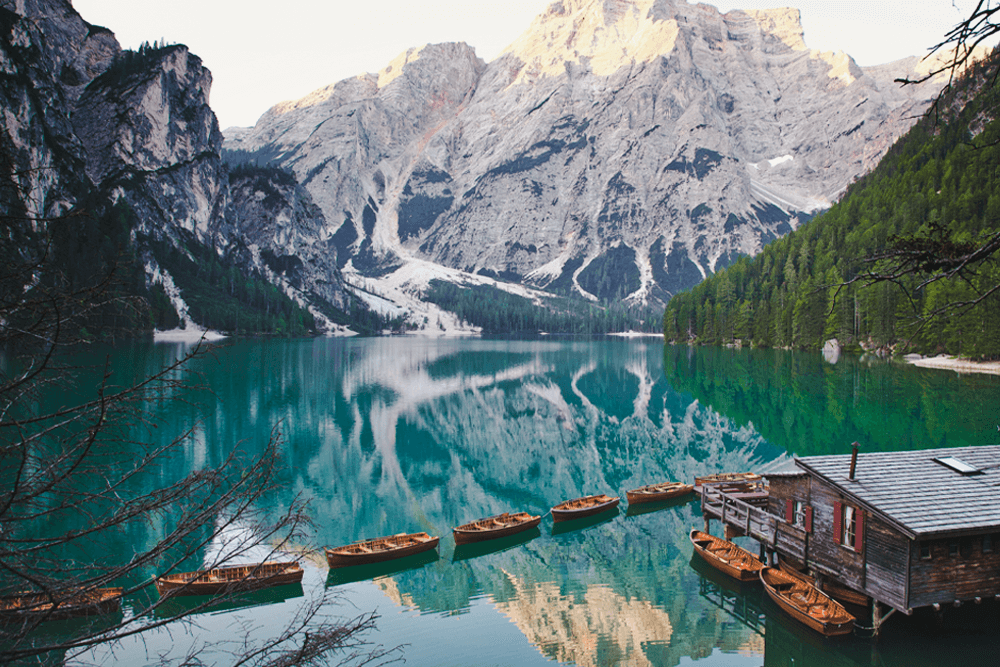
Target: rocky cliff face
[[45, 63], [618, 149], [87, 125], [281, 234], [151, 138]]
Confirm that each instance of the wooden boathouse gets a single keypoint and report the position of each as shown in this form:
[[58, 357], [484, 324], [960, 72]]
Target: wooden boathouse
[[907, 529]]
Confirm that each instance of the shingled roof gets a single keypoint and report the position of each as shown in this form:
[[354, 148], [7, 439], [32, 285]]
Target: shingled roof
[[921, 496]]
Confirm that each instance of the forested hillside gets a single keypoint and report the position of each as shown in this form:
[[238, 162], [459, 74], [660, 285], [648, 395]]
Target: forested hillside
[[939, 184], [499, 312]]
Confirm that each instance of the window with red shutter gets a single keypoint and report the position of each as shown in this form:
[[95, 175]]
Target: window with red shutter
[[809, 520], [789, 511], [859, 533]]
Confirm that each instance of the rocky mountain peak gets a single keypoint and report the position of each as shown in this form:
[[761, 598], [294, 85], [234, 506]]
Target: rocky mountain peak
[[618, 149], [601, 35], [783, 23]]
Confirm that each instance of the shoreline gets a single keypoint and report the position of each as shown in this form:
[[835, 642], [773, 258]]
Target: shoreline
[[186, 336], [636, 334], [950, 363]]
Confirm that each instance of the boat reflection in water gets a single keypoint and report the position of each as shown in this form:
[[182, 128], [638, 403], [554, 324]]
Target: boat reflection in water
[[174, 605], [573, 525], [495, 546], [647, 508], [787, 643], [347, 575], [390, 434]]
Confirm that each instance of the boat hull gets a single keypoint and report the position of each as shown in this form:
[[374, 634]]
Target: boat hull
[[652, 494], [466, 534], [565, 511], [34, 605], [735, 561], [234, 578], [354, 554], [807, 604], [833, 589]]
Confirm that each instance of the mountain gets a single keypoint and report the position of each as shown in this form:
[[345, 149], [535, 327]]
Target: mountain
[[934, 192], [113, 158], [618, 150]]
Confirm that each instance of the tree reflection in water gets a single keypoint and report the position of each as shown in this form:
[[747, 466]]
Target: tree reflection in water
[[402, 435]]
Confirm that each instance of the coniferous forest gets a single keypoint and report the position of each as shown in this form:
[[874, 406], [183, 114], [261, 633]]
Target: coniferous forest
[[500, 312], [940, 181]]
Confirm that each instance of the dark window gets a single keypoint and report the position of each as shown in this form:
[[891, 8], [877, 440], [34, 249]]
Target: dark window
[[987, 544], [952, 548], [925, 550]]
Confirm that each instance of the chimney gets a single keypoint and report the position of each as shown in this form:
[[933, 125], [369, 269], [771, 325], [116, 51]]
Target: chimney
[[854, 459]]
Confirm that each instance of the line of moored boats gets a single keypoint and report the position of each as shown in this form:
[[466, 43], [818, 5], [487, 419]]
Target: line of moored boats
[[241, 578], [789, 587], [368, 552]]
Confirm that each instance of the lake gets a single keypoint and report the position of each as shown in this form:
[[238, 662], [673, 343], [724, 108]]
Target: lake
[[391, 435]]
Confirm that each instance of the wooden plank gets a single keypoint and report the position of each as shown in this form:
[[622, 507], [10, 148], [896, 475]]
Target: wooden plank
[[945, 578], [886, 564]]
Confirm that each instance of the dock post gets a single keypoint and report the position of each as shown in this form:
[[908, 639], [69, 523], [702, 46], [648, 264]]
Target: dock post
[[708, 525], [878, 619]]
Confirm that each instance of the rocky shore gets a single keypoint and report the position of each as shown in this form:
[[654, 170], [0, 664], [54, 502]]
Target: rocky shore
[[956, 364]]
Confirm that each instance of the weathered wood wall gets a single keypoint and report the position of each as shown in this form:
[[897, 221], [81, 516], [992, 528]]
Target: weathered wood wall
[[826, 555], [944, 578], [886, 551], [781, 488]]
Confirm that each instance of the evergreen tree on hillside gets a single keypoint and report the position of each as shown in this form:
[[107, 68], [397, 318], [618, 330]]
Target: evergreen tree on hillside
[[908, 256]]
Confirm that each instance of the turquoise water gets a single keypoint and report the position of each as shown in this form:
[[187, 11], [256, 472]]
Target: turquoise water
[[393, 435]]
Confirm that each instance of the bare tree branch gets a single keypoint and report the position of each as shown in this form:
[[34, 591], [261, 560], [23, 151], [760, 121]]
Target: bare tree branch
[[962, 41], [80, 472]]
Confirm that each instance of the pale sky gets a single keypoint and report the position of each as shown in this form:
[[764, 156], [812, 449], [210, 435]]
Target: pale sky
[[262, 53]]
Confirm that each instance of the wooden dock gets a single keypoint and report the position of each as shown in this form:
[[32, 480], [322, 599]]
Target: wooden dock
[[739, 517]]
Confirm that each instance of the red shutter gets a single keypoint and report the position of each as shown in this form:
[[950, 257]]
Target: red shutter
[[809, 519], [838, 519], [859, 533], [789, 511]]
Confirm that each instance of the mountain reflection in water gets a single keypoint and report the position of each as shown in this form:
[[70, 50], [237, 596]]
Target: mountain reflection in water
[[392, 435]]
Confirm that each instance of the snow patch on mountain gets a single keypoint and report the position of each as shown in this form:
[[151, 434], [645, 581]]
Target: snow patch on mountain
[[686, 135]]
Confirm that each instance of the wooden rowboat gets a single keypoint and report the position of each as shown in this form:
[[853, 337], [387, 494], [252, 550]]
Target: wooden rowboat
[[656, 492], [230, 578], [493, 527], [833, 589], [807, 604], [380, 550], [725, 556], [732, 482], [582, 507], [57, 607], [730, 478]]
